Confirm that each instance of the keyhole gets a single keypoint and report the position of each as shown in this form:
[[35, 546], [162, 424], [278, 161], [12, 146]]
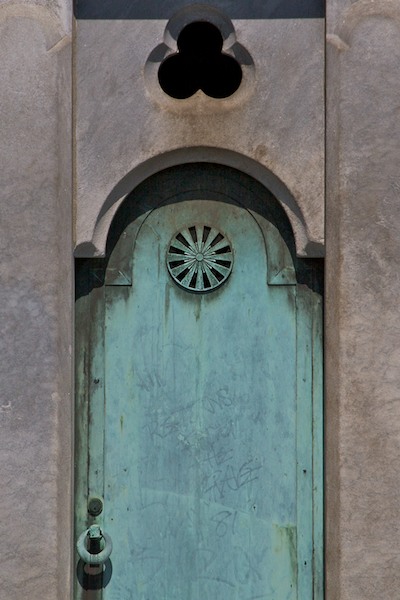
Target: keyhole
[[200, 64]]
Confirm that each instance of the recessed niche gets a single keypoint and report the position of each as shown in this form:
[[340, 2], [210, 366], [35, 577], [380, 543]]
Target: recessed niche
[[200, 64]]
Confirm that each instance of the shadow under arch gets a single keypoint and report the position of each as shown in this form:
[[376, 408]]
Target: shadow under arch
[[96, 246], [194, 181]]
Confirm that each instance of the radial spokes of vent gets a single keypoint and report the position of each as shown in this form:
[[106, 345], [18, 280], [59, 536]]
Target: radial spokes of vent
[[199, 258]]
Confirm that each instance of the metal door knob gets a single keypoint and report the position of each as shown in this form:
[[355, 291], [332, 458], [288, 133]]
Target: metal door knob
[[94, 533]]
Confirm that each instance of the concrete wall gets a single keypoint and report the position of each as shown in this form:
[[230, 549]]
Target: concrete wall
[[362, 311], [362, 254], [35, 305]]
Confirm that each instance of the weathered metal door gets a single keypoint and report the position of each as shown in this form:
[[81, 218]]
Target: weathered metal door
[[199, 411]]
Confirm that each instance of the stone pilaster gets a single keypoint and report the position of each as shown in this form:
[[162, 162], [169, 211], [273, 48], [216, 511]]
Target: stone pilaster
[[363, 286], [36, 299]]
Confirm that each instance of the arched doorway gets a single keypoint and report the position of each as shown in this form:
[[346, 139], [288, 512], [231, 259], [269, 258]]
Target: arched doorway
[[199, 397]]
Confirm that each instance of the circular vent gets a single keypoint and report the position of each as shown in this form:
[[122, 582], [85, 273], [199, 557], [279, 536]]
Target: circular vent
[[199, 258]]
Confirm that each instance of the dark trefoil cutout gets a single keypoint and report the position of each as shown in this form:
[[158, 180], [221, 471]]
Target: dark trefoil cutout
[[200, 64]]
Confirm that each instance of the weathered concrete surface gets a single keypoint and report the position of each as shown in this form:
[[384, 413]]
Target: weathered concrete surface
[[35, 305], [363, 286], [122, 123], [120, 126]]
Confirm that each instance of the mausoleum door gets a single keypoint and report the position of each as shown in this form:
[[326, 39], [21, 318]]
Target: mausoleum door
[[199, 410]]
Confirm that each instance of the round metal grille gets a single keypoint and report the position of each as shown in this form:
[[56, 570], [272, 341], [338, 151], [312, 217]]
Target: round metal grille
[[199, 258]]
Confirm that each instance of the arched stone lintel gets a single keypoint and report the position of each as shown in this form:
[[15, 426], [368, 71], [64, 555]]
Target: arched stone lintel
[[95, 247]]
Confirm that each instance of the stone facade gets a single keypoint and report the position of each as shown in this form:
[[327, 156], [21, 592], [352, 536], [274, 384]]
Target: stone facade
[[36, 304], [249, 131], [362, 338], [81, 128]]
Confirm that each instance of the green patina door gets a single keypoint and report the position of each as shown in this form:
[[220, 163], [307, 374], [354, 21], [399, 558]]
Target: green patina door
[[199, 411]]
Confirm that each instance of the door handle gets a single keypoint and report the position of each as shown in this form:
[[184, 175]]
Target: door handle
[[94, 534]]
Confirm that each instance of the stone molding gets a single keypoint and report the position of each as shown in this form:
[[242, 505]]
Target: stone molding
[[304, 242]]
